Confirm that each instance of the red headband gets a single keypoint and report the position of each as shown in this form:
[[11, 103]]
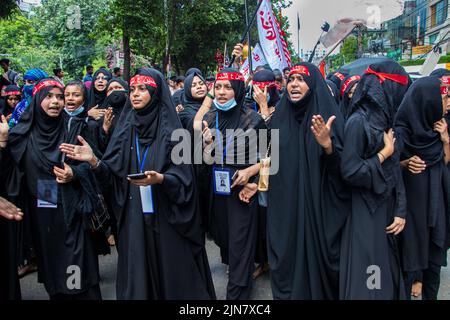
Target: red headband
[[444, 90], [11, 93], [445, 80], [299, 70], [403, 80], [339, 75], [348, 82], [230, 76], [140, 79], [46, 83], [263, 85]]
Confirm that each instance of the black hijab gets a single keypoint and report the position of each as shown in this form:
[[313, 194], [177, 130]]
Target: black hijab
[[337, 78], [9, 91], [191, 105], [302, 195], [117, 99], [268, 77], [347, 86], [39, 135], [420, 110], [439, 73], [414, 126], [379, 98], [229, 119], [335, 91], [96, 97], [154, 124], [239, 117]]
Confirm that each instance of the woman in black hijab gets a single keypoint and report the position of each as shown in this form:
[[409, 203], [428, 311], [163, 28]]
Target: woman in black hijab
[[264, 81], [422, 132], [117, 91], [160, 245], [195, 91], [337, 78], [265, 96], [347, 91], [60, 193], [97, 93], [306, 204], [233, 223], [9, 100], [370, 264]]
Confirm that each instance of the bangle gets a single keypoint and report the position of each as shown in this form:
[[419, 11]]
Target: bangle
[[97, 163], [210, 95], [384, 158]]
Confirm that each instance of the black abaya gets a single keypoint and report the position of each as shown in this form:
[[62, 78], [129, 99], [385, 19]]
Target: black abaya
[[63, 243], [161, 255], [377, 189], [306, 199], [426, 237]]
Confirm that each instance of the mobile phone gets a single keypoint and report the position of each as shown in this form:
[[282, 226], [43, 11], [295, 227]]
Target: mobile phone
[[137, 176], [234, 176]]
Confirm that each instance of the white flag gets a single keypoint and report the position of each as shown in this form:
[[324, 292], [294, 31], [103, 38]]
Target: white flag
[[273, 44], [258, 60]]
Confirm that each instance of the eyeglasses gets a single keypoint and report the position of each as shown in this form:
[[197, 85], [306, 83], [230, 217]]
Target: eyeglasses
[[102, 78]]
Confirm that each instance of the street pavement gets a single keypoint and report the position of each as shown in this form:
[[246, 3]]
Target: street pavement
[[31, 290]]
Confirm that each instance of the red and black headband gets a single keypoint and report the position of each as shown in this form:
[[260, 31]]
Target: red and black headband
[[47, 83], [143, 79], [299, 70], [11, 93], [230, 76], [263, 85], [339, 75], [348, 82]]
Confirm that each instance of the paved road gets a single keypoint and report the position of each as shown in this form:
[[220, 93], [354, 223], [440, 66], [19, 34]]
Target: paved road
[[31, 290]]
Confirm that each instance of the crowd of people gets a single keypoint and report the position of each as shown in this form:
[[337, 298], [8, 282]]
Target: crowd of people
[[349, 197]]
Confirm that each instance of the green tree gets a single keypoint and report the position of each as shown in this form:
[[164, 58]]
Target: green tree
[[23, 44], [68, 27], [349, 49]]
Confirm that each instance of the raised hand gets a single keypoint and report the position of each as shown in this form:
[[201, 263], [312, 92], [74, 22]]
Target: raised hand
[[96, 113], [441, 127], [207, 135], [389, 144], [322, 132], [4, 128], [108, 120], [82, 153]]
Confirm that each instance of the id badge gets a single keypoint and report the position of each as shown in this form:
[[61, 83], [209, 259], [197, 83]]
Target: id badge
[[147, 200], [222, 181], [47, 191]]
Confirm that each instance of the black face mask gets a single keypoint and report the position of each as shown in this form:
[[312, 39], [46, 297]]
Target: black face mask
[[116, 99]]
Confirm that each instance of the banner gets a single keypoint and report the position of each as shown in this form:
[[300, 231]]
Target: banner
[[258, 60], [272, 43]]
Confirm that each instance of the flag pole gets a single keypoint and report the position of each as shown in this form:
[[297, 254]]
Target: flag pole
[[246, 31], [250, 61], [298, 36]]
